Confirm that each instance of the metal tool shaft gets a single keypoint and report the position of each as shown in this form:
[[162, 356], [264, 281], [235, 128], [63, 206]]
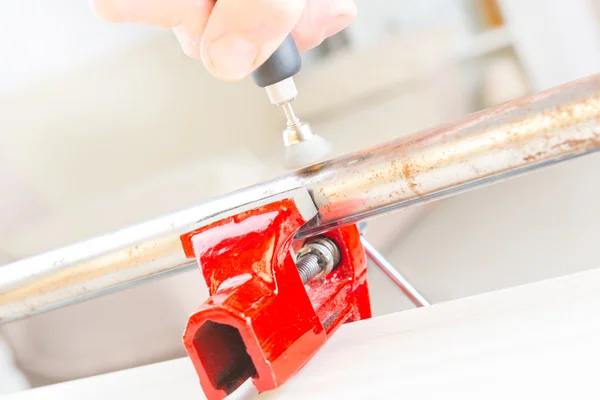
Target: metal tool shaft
[[485, 147], [384, 265]]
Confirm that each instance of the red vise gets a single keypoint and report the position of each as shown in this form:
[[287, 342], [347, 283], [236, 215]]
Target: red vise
[[261, 321]]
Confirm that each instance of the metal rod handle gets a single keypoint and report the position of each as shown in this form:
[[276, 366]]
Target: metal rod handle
[[407, 288]]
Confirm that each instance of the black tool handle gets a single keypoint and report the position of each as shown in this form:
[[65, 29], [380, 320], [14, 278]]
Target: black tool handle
[[282, 64]]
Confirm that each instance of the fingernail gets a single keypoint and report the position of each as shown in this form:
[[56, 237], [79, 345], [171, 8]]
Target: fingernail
[[231, 56]]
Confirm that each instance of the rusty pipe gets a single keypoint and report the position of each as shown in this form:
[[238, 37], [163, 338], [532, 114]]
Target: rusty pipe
[[486, 147]]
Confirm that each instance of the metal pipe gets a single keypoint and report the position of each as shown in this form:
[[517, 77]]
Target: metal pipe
[[407, 288], [486, 147]]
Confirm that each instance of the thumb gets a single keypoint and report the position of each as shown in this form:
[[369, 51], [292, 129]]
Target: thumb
[[240, 35]]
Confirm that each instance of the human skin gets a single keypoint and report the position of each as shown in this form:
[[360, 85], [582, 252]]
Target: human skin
[[233, 37]]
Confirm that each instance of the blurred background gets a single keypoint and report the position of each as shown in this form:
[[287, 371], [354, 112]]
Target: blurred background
[[106, 125]]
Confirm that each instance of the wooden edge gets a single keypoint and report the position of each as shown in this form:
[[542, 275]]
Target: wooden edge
[[531, 341]]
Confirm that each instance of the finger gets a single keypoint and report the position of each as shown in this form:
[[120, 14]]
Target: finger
[[159, 13], [189, 33], [187, 18], [322, 19], [241, 34]]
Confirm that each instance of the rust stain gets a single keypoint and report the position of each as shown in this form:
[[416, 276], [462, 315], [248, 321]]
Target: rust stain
[[572, 144], [411, 156], [580, 144], [410, 173], [533, 157], [98, 268]]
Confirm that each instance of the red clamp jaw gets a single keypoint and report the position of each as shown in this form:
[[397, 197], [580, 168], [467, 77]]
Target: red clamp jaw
[[261, 321]]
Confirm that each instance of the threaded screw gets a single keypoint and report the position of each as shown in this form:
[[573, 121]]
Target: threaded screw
[[308, 267], [317, 258]]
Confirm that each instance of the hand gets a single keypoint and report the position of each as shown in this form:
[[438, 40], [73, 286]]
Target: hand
[[234, 37]]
